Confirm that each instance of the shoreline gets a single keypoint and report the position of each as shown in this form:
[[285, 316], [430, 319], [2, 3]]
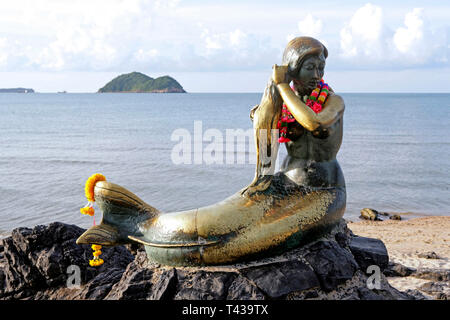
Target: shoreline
[[411, 243]]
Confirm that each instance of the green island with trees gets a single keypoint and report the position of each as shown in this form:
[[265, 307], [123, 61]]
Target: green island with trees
[[141, 83]]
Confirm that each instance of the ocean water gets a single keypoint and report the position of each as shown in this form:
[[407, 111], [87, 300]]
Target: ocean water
[[395, 152]]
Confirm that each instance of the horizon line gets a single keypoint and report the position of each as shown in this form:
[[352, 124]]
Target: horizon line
[[236, 92]]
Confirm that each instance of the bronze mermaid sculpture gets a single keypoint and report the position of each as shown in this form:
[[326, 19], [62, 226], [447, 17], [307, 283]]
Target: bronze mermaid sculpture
[[277, 211]]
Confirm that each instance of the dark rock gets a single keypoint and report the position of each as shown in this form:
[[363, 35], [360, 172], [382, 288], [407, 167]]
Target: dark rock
[[311, 294], [370, 214], [398, 270], [432, 287], [243, 289], [395, 217], [366, 294], [432, 274], [36, 263], [38, 259], [203, 285], [442, 296], [2, 280], [164, 287], [429, 255], [101, 285], [332, 264], [342, 239], [281, 278], [20, 273], [368, 251], [135, 283], [416, 294]]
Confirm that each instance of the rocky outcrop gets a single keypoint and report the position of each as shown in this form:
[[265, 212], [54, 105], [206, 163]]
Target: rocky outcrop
[[437, 288], [374, 215], [369, 251], [39, 263]]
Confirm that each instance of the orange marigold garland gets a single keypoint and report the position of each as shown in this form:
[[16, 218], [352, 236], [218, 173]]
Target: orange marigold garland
[[89, 210], [96, 261]]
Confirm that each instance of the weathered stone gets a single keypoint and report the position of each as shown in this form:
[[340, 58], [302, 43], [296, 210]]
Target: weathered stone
[[281, 278], [369, 214], [332, 264], [20, 274], [243, 289], [366, 294], [101, 285], [416, 294], [429, 255], [135, 283], [204, 285], [164, 287], [38, 259], [342, 239], [432, 274], [397, 270], [432, 287], [368, 251], [395, 217], [2, 280], [442, 296], [35, 261]]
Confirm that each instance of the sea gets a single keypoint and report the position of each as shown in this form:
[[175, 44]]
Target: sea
[[166, 148]]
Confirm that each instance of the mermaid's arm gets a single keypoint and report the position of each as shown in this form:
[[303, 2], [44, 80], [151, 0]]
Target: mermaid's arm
[[333, 107]]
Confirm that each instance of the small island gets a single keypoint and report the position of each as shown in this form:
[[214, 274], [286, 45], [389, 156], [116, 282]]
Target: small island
[[17, 90], [140, 83]]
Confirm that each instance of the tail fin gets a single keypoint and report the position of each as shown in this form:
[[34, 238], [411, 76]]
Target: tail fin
[[122, 213], [102, 234]]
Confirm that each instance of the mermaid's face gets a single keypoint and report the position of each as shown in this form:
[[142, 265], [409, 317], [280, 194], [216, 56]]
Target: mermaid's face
[[310, 73]]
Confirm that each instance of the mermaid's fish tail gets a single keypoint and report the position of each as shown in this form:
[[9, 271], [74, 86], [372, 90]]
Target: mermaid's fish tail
[[122, 213]]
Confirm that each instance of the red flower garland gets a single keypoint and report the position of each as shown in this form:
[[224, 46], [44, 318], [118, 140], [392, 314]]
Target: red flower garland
[[315, 101]]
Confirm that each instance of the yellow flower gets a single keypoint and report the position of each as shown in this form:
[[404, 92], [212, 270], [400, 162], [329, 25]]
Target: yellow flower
[[96, 247], [97, 253], [90, 184], [87, 210]]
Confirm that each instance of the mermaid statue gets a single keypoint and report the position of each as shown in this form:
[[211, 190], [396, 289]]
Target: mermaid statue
[[276, 212]]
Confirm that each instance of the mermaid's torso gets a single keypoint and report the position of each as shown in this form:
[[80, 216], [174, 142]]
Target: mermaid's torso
[[311, 159]]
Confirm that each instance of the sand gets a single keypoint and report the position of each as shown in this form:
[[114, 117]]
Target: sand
[[406, 239]]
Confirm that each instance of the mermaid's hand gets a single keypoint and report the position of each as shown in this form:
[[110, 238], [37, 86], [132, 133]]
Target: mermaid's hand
[[279, 74]]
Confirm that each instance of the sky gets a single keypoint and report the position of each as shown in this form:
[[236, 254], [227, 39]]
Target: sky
[[222, 46]]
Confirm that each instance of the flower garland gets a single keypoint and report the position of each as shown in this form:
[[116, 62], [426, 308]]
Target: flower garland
[[96, 261], [89, 210], [315, 101]]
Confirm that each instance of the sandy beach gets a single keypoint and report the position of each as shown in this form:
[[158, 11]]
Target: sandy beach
[[411, 244]]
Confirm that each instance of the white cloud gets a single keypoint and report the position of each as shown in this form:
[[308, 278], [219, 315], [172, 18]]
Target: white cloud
[[416, 43], [362, 35], [113, 35], [234, 39], [366, 41], [81, 34], [310, 26], [406, 37]]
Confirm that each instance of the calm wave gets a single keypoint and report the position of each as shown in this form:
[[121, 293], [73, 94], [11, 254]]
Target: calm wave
[[395, 153]]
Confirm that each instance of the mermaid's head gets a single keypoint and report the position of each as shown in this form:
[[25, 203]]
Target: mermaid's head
[[305, 58]]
